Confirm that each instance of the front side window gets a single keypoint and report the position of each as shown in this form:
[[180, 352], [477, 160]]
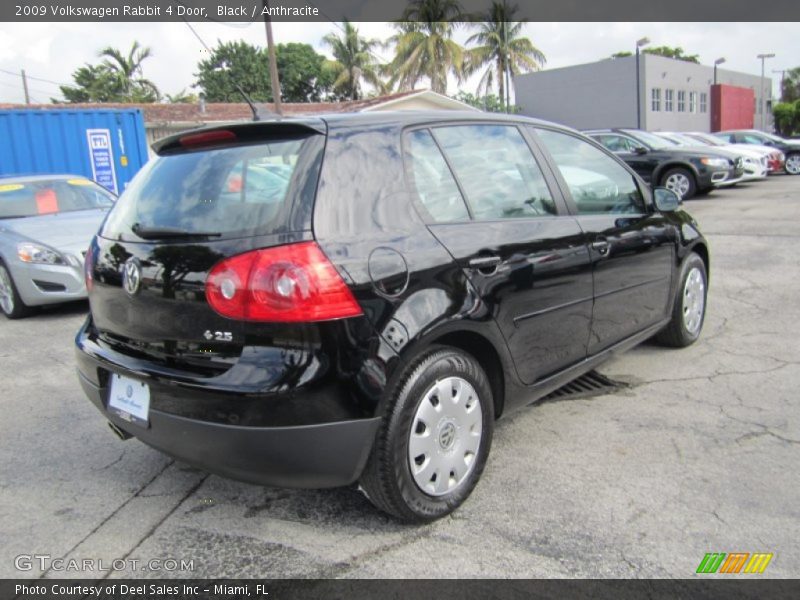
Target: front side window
[[496, 170], [681, 101], [668, 98], [598, 183], [655, 103], [436, 188]]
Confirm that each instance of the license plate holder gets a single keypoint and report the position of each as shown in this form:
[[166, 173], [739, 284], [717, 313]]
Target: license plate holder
[[129, 399]]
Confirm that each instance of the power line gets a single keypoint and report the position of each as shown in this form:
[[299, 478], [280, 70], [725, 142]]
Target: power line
[[19, 87], [32, 77]]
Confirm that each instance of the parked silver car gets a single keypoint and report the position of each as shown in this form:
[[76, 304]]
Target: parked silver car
[[46, 224]]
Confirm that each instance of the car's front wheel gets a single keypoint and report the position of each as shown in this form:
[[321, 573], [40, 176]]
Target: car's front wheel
[[792, 165], [680, 181], [689, 309], [10, 302], [435, 438]]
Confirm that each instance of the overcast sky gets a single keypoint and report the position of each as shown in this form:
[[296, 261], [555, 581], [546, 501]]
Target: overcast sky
[[52, 51]]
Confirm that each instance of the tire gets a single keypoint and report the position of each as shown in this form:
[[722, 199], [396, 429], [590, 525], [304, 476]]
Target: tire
[[688, 312], [11, 304], [414, 408], [681, 181], [792, 164]]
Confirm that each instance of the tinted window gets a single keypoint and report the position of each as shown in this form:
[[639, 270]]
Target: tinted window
[[618, 143], [233, 191], [597, 182], [497, 171], [31, 198], [750, 138], [436, 188]]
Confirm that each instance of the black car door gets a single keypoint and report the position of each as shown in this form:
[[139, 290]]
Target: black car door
[[632, 245], [505, 224]]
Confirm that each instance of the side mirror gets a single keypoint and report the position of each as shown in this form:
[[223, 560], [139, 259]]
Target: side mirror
[[666, 200], [640, 150]]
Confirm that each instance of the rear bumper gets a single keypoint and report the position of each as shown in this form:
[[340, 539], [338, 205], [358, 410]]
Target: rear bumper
[[297, 436], [307, 456]]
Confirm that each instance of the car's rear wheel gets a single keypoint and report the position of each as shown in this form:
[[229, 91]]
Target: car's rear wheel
[[434, 440], [10, 303], [689, 310], [680, 181], [792, 165]]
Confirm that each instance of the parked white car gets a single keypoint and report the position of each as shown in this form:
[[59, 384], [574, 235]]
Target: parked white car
[[755, 162], [775, 158]]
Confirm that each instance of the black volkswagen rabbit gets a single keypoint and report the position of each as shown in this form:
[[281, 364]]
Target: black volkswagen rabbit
[[357, 298]]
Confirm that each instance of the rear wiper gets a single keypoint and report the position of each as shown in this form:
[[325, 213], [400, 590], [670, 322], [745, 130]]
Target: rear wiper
[[163, 233]]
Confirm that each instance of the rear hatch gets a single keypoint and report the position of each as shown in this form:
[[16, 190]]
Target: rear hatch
[[209, 195]]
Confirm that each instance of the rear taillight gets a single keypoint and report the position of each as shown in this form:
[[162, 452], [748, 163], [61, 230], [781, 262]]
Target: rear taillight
[[284, 284]]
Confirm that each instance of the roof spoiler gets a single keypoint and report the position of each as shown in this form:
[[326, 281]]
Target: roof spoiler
[[238, 133]]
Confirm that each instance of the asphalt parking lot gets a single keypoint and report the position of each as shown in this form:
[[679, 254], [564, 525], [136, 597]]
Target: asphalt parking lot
[[700, 453]]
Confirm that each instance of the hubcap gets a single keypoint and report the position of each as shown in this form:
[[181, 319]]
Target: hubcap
[[445, 436], [694, 300], [678, 183], [793, 164], [6, 292]]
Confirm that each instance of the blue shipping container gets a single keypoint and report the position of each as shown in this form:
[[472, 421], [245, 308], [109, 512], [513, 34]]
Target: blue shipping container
[[106, 145]]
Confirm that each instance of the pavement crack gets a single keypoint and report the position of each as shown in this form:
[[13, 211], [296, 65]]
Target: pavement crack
[[112, 463], [110, 516]]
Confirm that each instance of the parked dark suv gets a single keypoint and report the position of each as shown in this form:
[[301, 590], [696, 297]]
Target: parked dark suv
[[357, 298], [686, 171]]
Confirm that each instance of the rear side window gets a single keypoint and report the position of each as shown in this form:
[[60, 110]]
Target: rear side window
[[496, 170], [229, 192], [436, 188], [598, 183]]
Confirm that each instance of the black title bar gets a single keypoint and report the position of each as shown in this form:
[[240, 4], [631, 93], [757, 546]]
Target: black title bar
[[391, 10]]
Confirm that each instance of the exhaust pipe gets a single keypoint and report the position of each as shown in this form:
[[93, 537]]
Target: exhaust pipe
[[123, 435]]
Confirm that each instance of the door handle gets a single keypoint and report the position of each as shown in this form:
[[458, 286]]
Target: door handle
[[601, 246], [482, 262]]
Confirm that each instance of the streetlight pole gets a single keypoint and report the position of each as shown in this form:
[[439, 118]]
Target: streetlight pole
[[763, 105], [639, 44], [719, 61]]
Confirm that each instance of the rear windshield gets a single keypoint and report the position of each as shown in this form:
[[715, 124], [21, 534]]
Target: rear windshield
[[42, 197], [227, 192]]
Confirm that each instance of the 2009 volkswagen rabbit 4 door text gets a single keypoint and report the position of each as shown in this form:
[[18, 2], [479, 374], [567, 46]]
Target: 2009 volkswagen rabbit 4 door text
[[356, 298]]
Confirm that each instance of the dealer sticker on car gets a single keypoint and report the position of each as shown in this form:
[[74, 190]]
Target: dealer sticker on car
[[129, 399]]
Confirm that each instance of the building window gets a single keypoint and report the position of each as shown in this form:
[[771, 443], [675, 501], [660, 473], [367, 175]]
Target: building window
[[668, 100], [703, 102], [681, 101], [655, 97], [692, 102]]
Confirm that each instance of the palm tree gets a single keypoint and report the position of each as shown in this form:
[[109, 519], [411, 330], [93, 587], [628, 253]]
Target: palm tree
[[354, 62], [502, 49], [128, 72], [424, 45]]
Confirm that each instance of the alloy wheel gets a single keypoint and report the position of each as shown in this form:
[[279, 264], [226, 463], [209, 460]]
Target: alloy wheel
[[6, 291], [445, 436], [793, 164], [678, 183], [694, 300]]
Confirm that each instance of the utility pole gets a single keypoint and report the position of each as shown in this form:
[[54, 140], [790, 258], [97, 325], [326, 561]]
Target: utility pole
[[639, 44], [763, 104], [783, 77], [25, 87], [273, 62]]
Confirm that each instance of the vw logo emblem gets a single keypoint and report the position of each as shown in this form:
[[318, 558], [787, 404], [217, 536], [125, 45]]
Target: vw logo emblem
[[131, 276], [129, 391]]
